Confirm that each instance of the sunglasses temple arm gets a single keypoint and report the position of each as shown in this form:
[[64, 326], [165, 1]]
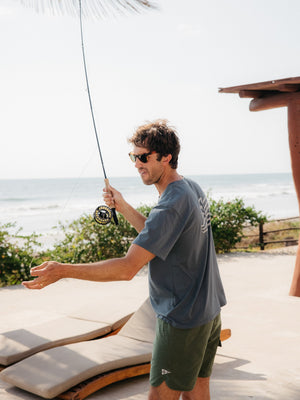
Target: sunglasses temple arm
[[113, 210]]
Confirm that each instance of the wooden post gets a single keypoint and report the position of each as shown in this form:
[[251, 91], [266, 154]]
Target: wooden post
[[261, 236], [273, 94], [292, 101], [294, 142]]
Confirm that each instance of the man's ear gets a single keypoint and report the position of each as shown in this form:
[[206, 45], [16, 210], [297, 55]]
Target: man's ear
[[167, 158]]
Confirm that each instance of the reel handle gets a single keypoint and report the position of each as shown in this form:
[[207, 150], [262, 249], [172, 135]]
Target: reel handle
[[113, 210]]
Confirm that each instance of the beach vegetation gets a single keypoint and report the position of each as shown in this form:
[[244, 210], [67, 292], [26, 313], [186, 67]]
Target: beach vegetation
[[228, 219], [86, 241], [17, 255]]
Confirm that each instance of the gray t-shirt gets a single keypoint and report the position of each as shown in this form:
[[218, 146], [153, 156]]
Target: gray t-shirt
[[184, 281]]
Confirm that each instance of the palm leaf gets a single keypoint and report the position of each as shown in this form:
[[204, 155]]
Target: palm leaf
[[90, 8]]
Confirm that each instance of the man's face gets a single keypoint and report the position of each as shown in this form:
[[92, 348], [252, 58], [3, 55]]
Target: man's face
[[152, 170]]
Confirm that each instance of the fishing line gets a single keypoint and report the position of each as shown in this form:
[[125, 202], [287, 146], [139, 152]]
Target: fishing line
[[103, 214]]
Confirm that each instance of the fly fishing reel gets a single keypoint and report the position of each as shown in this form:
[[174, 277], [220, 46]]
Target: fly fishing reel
[[103, 215]]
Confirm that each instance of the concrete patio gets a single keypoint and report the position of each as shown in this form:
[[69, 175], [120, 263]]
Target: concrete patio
[[261, 361]]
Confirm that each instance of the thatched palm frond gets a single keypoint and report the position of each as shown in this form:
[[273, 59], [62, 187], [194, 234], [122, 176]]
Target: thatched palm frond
[[90, 8]]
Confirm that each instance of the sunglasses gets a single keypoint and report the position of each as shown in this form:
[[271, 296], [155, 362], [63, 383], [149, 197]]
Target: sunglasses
[[141, 157]]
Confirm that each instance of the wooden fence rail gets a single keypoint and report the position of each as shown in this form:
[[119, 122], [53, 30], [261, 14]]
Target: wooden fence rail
[[262, 235]]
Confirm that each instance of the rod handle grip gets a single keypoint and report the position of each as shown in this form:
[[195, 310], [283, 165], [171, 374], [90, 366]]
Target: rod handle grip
[[114, 214]]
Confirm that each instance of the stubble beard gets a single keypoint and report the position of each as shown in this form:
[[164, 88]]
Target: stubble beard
[[151, 180]]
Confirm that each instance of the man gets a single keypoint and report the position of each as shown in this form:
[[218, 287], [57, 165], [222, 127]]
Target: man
[[184, 282]]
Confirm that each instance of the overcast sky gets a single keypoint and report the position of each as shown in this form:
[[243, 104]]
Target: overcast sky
[[162, 64]]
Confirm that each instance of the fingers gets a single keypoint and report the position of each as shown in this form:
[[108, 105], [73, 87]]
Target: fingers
[[35, 271], [35, 284], [113, 198], [109, 196], [46, 273]]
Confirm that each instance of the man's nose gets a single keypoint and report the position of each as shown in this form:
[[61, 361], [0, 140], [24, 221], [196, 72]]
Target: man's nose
[[138, 163]]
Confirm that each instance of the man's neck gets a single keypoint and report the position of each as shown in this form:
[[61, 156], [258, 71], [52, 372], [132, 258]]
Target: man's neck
[[168, 177]]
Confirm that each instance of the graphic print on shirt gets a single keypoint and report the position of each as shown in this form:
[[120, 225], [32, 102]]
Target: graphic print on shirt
[[204, 207]]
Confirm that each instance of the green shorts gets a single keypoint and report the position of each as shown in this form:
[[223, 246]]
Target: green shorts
[[180, 356]]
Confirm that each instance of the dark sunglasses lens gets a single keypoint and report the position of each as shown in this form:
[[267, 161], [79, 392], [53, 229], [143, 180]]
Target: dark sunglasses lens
[[143, 158]]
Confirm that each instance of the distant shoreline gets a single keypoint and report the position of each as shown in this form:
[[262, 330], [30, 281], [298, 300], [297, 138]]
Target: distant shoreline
[[135, 176], [37, 205]]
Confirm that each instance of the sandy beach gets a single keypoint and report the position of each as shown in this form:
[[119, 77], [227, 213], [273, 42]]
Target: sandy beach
[[261, 359]]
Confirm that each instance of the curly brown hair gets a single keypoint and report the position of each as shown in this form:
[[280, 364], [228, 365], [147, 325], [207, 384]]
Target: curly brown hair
[[160, 137]]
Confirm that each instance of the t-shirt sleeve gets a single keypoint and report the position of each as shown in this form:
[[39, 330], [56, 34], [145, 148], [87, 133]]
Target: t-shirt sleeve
[[162, 229]]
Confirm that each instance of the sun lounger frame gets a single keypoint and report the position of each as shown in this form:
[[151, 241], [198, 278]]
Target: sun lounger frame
[[98, 382]]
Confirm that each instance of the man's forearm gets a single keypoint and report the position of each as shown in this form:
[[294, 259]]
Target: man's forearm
[[134, 217], [116, 269], [113, 198]]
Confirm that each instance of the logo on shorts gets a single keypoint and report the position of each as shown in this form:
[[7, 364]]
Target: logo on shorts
[[165, 372]]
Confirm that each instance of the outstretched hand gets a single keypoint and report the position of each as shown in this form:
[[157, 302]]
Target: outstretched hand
[[46, 273]]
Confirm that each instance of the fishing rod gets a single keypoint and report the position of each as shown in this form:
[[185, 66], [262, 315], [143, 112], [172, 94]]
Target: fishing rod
[[103, 214]]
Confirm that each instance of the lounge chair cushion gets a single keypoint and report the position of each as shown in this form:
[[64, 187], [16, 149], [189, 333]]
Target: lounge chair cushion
[[115, 316], [141, 325], [54, 371], [91, 322], [21, 343]]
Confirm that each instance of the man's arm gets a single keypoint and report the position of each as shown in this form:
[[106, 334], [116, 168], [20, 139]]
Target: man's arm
[[116, 269], [113, 198]]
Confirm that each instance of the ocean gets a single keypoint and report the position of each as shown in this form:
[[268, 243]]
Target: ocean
[[37, 205]]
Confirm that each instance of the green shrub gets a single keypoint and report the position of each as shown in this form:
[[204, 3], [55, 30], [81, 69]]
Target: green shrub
[[227, 221], [17, 255], [85, 241]]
